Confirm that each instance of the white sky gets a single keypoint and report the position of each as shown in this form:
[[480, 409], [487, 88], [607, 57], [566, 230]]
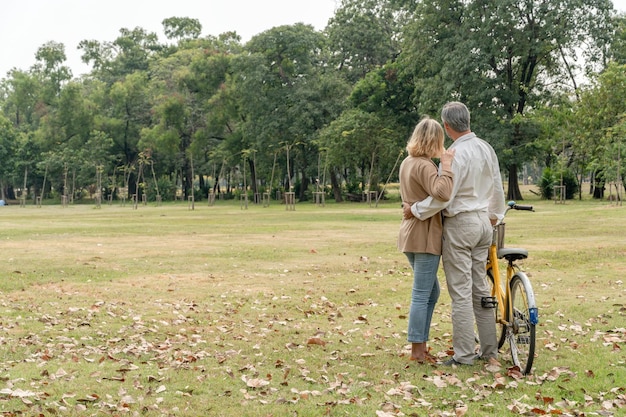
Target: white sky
[[25, 25]]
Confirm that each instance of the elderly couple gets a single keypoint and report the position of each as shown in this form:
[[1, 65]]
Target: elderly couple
[[448, 214]]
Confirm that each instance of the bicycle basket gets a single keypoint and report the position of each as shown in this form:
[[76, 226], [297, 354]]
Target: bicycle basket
[[500, 233]]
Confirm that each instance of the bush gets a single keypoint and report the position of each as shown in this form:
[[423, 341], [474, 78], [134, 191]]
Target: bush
[[571, 184], [167, 190], [546, 184], [550, 178]]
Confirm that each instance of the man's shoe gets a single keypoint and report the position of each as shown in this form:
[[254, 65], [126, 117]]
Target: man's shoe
[[453, 362], [484, 358]]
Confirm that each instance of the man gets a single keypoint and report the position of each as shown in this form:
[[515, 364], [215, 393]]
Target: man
[[476, 203]]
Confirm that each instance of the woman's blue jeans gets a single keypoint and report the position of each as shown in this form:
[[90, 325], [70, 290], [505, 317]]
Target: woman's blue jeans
[[424, 295]]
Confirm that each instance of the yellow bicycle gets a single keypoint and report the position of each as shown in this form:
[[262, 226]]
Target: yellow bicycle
[[513, 299]]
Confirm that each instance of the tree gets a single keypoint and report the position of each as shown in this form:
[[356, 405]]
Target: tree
[[7, 152], [503, 58], [131, 51], [388, 92], [31, 101], [618, 44], [278, 98], [50, 59], [208, 78], [363, 36], [600, 115], [21, 95], [373, 143], [179, 28], [361, 85], [556, 144], [124, 113], [183, 85]]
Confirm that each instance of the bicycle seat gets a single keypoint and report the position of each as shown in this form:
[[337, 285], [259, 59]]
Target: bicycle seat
[[512, 254]]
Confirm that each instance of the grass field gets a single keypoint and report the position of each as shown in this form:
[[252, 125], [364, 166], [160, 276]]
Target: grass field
[[224, 311]]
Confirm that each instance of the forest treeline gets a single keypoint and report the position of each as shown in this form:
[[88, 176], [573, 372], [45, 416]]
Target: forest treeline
[[300, 110]]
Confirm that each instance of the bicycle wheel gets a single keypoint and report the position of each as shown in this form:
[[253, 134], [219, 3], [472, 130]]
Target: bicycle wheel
[[520, 333], [501, 327]]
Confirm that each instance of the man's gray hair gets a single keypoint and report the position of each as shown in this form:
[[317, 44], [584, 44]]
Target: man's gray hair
[[456, 115]]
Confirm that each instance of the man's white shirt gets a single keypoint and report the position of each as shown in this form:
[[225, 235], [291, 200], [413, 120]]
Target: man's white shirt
[[477, 182]]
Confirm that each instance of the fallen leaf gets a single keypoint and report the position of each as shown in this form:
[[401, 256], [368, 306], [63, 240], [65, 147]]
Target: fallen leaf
[[316, 341], [254, 382], [460, 411]]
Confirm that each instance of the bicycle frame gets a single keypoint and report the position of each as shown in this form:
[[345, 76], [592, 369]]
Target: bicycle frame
[[513, 299], [497, 291], [500, 294]]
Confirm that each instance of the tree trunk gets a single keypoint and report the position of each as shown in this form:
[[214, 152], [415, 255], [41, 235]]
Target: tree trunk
[[216, 185], [335, 185], [10, 194], [599, 185], [598, 192], [201, 184], [253, 182], [513, 192], [187, 177], [304, 186]]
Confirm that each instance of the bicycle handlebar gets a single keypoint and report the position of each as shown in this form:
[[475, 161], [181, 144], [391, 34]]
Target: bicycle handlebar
[[520, 206], [513, 205]]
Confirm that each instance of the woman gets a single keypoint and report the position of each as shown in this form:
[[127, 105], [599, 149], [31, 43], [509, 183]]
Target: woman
[[420, 240]]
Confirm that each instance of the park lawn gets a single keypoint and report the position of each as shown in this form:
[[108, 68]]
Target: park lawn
[[224, 311]]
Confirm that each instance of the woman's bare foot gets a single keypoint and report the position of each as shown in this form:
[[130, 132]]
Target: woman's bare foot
[[418, 352]]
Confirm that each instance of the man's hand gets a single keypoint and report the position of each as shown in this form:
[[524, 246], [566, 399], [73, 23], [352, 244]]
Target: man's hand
[[406, 210]]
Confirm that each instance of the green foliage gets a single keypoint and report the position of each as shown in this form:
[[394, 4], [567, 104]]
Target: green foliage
[[292, 96], [550, 179], [166, 189], [374, 144], [7, 143], [50, 59], [387, 92], [618, 46], [364, 35], [498, 58], [21, 100], [181, 28], [546, 184], [571, 184]]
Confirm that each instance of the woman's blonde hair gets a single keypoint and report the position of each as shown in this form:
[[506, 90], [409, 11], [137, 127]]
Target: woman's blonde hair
[[427, 139]]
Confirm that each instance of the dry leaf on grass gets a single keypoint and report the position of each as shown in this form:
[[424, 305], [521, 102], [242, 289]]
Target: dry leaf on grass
[[316, 341]]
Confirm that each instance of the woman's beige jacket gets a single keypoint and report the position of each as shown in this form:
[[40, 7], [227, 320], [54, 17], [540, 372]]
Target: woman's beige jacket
[[419, 179]]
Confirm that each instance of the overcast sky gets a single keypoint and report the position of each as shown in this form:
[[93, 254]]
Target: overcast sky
[[25, 25]]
